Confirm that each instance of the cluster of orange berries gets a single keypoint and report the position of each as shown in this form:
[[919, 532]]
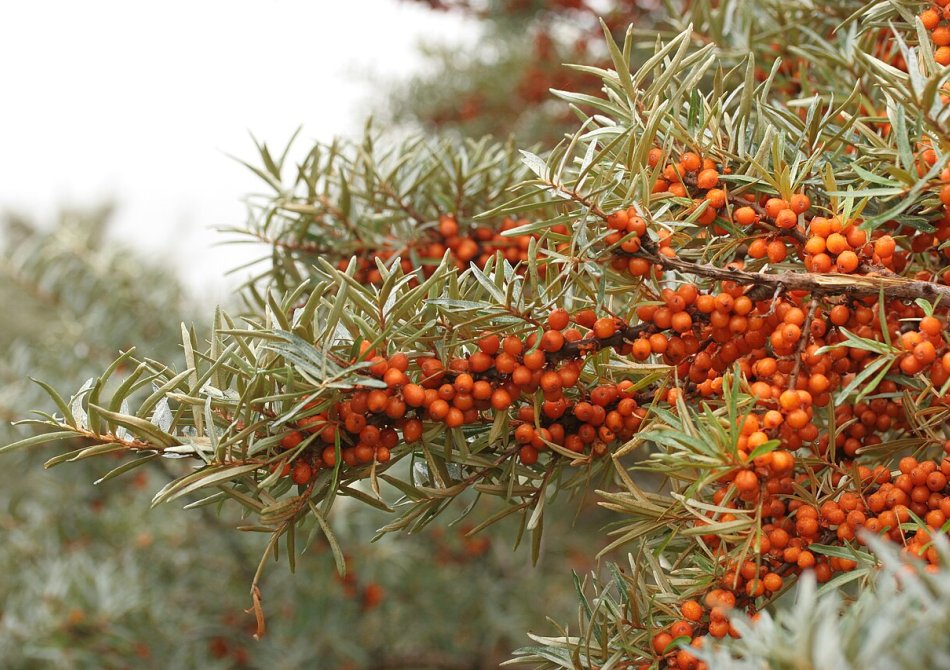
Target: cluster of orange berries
[[698, 620], [698, 179], [793, 351], [923, 347], [936, 19], [500, 374], [768, 480], [834, 246], [908, 509], [823, 243], [475, 246]]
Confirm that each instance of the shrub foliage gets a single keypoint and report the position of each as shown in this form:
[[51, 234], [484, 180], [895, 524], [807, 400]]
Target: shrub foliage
[[720, 303]]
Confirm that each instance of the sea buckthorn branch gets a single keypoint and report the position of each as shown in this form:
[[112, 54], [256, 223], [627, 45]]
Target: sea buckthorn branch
[[785, 487], [854, 286], [322, 419], [769, 403], [379, 203]]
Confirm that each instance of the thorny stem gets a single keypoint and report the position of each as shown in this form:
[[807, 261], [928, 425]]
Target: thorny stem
[[806, 336], [817, 284]]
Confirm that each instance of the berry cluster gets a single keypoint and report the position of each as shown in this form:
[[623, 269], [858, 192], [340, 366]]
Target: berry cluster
[[476, 246], [936, 20], [884, 506], [794, 351], [499, 374]]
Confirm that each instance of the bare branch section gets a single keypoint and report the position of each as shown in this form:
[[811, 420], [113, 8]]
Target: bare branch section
[[818, 284]]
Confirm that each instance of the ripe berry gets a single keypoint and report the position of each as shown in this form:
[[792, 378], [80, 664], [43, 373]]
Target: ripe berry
[[786, 218], [291, 439], [301, 473], [799, 203], [745, 216], [528, 455], [707, 179], [605, 327], [691, 161], [558, 319], [552, 340]]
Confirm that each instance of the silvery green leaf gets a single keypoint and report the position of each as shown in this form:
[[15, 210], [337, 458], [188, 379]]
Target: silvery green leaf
[[75, 406]]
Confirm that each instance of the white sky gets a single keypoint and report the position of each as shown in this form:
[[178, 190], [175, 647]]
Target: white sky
[[142, 102]]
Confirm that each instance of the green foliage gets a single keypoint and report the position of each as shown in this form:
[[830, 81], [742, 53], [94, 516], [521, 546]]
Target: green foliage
[[100, 581], [358, 269], [63, 282]]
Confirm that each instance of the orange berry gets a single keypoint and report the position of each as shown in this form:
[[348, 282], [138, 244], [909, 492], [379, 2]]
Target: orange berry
[[773, 206], [301, 473], [786, 218], [661, 641], [438, 409], [931, 325], [746, 481], [745, 216], [605, 327], [618, 220], [772, 582], [489, 343], [448, 226], [412, 430], [799, 203], [884, 246], [930, 18], [716, 198], [821, 263], [291, 439], [558, 319], [534, 360], [681, 629], [682, 322], [637, 226], [454, 417], [815, 245], [777, 251], [692, 610], [500, 400], [837, 243], [528, 455], [856, 237], [925, 353], [708, 178], [847, 262], [820, 226], [552, 340], [512, 345], [691, 161], [759, 248]]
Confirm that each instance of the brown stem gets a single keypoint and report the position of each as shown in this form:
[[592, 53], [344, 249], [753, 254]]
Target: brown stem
[[580, 348], [816, 284], [806, 337]]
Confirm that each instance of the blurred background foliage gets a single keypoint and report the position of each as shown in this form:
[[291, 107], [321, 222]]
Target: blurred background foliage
[[101, 581], [501, 87]]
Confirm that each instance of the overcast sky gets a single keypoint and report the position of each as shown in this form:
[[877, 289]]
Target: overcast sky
[[142, 102]]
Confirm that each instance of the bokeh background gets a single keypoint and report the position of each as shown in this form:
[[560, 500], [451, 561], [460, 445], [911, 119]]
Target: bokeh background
[[120, 130], [143, 105]]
